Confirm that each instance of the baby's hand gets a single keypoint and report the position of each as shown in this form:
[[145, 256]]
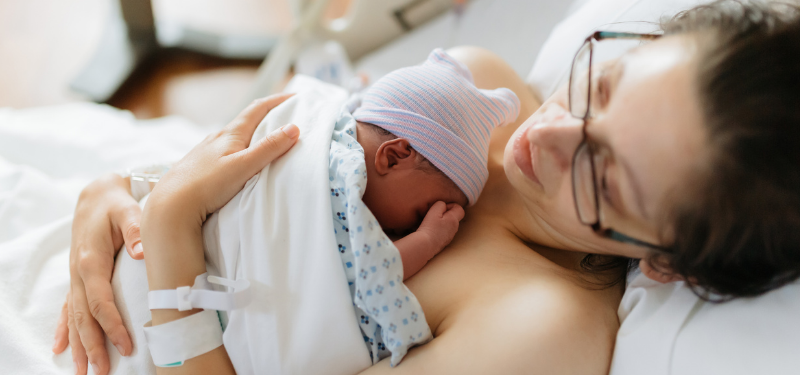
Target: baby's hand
[[441, 223]]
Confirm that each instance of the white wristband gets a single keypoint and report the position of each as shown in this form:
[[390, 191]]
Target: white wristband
[[200, 295], [173, 343]]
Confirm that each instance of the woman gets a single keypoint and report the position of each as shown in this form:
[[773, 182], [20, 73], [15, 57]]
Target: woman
[[682, 152]]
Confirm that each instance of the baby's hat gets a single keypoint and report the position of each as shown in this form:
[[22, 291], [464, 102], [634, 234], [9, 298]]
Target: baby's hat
[[438, 109]]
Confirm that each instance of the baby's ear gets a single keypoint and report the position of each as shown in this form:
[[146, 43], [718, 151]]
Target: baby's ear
[[394, 154], [660, 275]]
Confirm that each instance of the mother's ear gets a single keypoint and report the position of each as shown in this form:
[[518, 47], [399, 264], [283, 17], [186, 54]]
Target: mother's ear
[[393, 155], [654, 274]]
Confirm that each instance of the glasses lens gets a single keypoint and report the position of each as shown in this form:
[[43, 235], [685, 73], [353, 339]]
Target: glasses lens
[[579, 82], [583, 187]]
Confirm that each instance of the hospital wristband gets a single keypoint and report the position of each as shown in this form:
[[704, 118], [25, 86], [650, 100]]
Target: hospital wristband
[[171, 344]]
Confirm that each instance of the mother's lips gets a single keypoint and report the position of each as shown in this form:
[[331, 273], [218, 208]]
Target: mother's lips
[[523, 154]]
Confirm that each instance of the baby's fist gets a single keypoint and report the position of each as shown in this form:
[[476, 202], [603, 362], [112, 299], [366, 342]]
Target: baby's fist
[[441, 223]]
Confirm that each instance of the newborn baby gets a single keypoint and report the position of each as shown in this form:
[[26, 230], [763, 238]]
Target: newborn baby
[[405, 157], [425, 133]]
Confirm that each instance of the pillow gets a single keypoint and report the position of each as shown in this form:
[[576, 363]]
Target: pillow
[[666, 329], [551, 69]]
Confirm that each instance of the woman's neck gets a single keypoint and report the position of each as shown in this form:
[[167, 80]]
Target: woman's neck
[[501, 207]]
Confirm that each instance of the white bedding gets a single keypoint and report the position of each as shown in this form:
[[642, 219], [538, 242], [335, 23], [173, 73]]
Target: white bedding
[[46, 156]]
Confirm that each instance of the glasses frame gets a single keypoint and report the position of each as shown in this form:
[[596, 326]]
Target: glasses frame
[[595, 225]]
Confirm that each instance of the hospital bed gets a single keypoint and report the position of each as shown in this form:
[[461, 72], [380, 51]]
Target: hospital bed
[[48, 154]]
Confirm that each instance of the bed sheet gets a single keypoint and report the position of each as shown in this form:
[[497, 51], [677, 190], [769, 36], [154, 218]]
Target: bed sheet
[[47, 155]]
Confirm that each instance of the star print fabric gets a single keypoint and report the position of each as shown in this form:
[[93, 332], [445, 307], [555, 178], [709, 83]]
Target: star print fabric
[[390, 317]]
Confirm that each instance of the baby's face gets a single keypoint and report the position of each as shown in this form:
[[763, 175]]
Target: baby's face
[[401, 201]]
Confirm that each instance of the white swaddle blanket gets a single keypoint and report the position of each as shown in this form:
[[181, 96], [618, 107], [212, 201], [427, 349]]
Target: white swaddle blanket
[[278, 233]]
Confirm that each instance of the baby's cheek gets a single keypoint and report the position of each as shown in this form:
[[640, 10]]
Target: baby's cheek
[[394, 219]]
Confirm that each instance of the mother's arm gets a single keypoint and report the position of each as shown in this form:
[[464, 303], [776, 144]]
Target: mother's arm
[[201, 183]]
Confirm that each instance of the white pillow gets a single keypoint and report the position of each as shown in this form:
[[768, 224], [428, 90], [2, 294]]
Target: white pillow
[[551, 69], [666, 329]]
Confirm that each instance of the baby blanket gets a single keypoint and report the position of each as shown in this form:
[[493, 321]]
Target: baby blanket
[[390, 316], [277, 232]]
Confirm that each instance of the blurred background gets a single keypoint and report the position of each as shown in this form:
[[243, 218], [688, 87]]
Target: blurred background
[[204, 60], [46, 45]]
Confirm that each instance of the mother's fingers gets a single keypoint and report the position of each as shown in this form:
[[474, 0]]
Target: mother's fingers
[[100, 299], [91, 336], [90, 333], [78, 352], [246, 122], [127, 221], [268, 149], [95, 281], [62, 329]]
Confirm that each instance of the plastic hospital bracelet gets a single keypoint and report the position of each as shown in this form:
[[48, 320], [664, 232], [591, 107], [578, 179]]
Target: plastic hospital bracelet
[[171, 344]]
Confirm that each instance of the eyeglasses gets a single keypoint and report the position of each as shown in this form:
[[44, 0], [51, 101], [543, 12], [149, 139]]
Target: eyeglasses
[[584, 175]]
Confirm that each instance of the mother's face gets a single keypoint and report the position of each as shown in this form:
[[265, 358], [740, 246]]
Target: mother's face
[[646, 122]]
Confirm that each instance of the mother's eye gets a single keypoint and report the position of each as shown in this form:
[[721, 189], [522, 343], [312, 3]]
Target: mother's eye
[[603, 89], [602, 169]]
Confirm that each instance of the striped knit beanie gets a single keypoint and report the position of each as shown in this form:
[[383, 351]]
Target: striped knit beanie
[[438, 109]]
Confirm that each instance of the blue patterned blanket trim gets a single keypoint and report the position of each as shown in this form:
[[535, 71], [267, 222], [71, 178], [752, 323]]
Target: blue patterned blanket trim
[[390, 317]]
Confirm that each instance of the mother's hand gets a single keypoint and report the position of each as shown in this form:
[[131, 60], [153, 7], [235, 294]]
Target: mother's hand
[[215, 170], [199, 184], [106, 216]]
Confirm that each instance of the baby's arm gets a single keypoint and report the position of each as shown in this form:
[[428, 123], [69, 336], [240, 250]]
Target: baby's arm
[[435, 232]]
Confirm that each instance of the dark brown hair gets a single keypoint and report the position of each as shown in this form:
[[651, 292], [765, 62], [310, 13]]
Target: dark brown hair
[[736, 228]]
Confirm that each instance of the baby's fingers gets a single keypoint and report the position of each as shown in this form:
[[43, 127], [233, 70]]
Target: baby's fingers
[[454, 211], [437, 210]]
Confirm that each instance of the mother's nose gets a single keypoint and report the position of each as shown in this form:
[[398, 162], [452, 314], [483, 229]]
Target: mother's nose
[[558, 134]]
